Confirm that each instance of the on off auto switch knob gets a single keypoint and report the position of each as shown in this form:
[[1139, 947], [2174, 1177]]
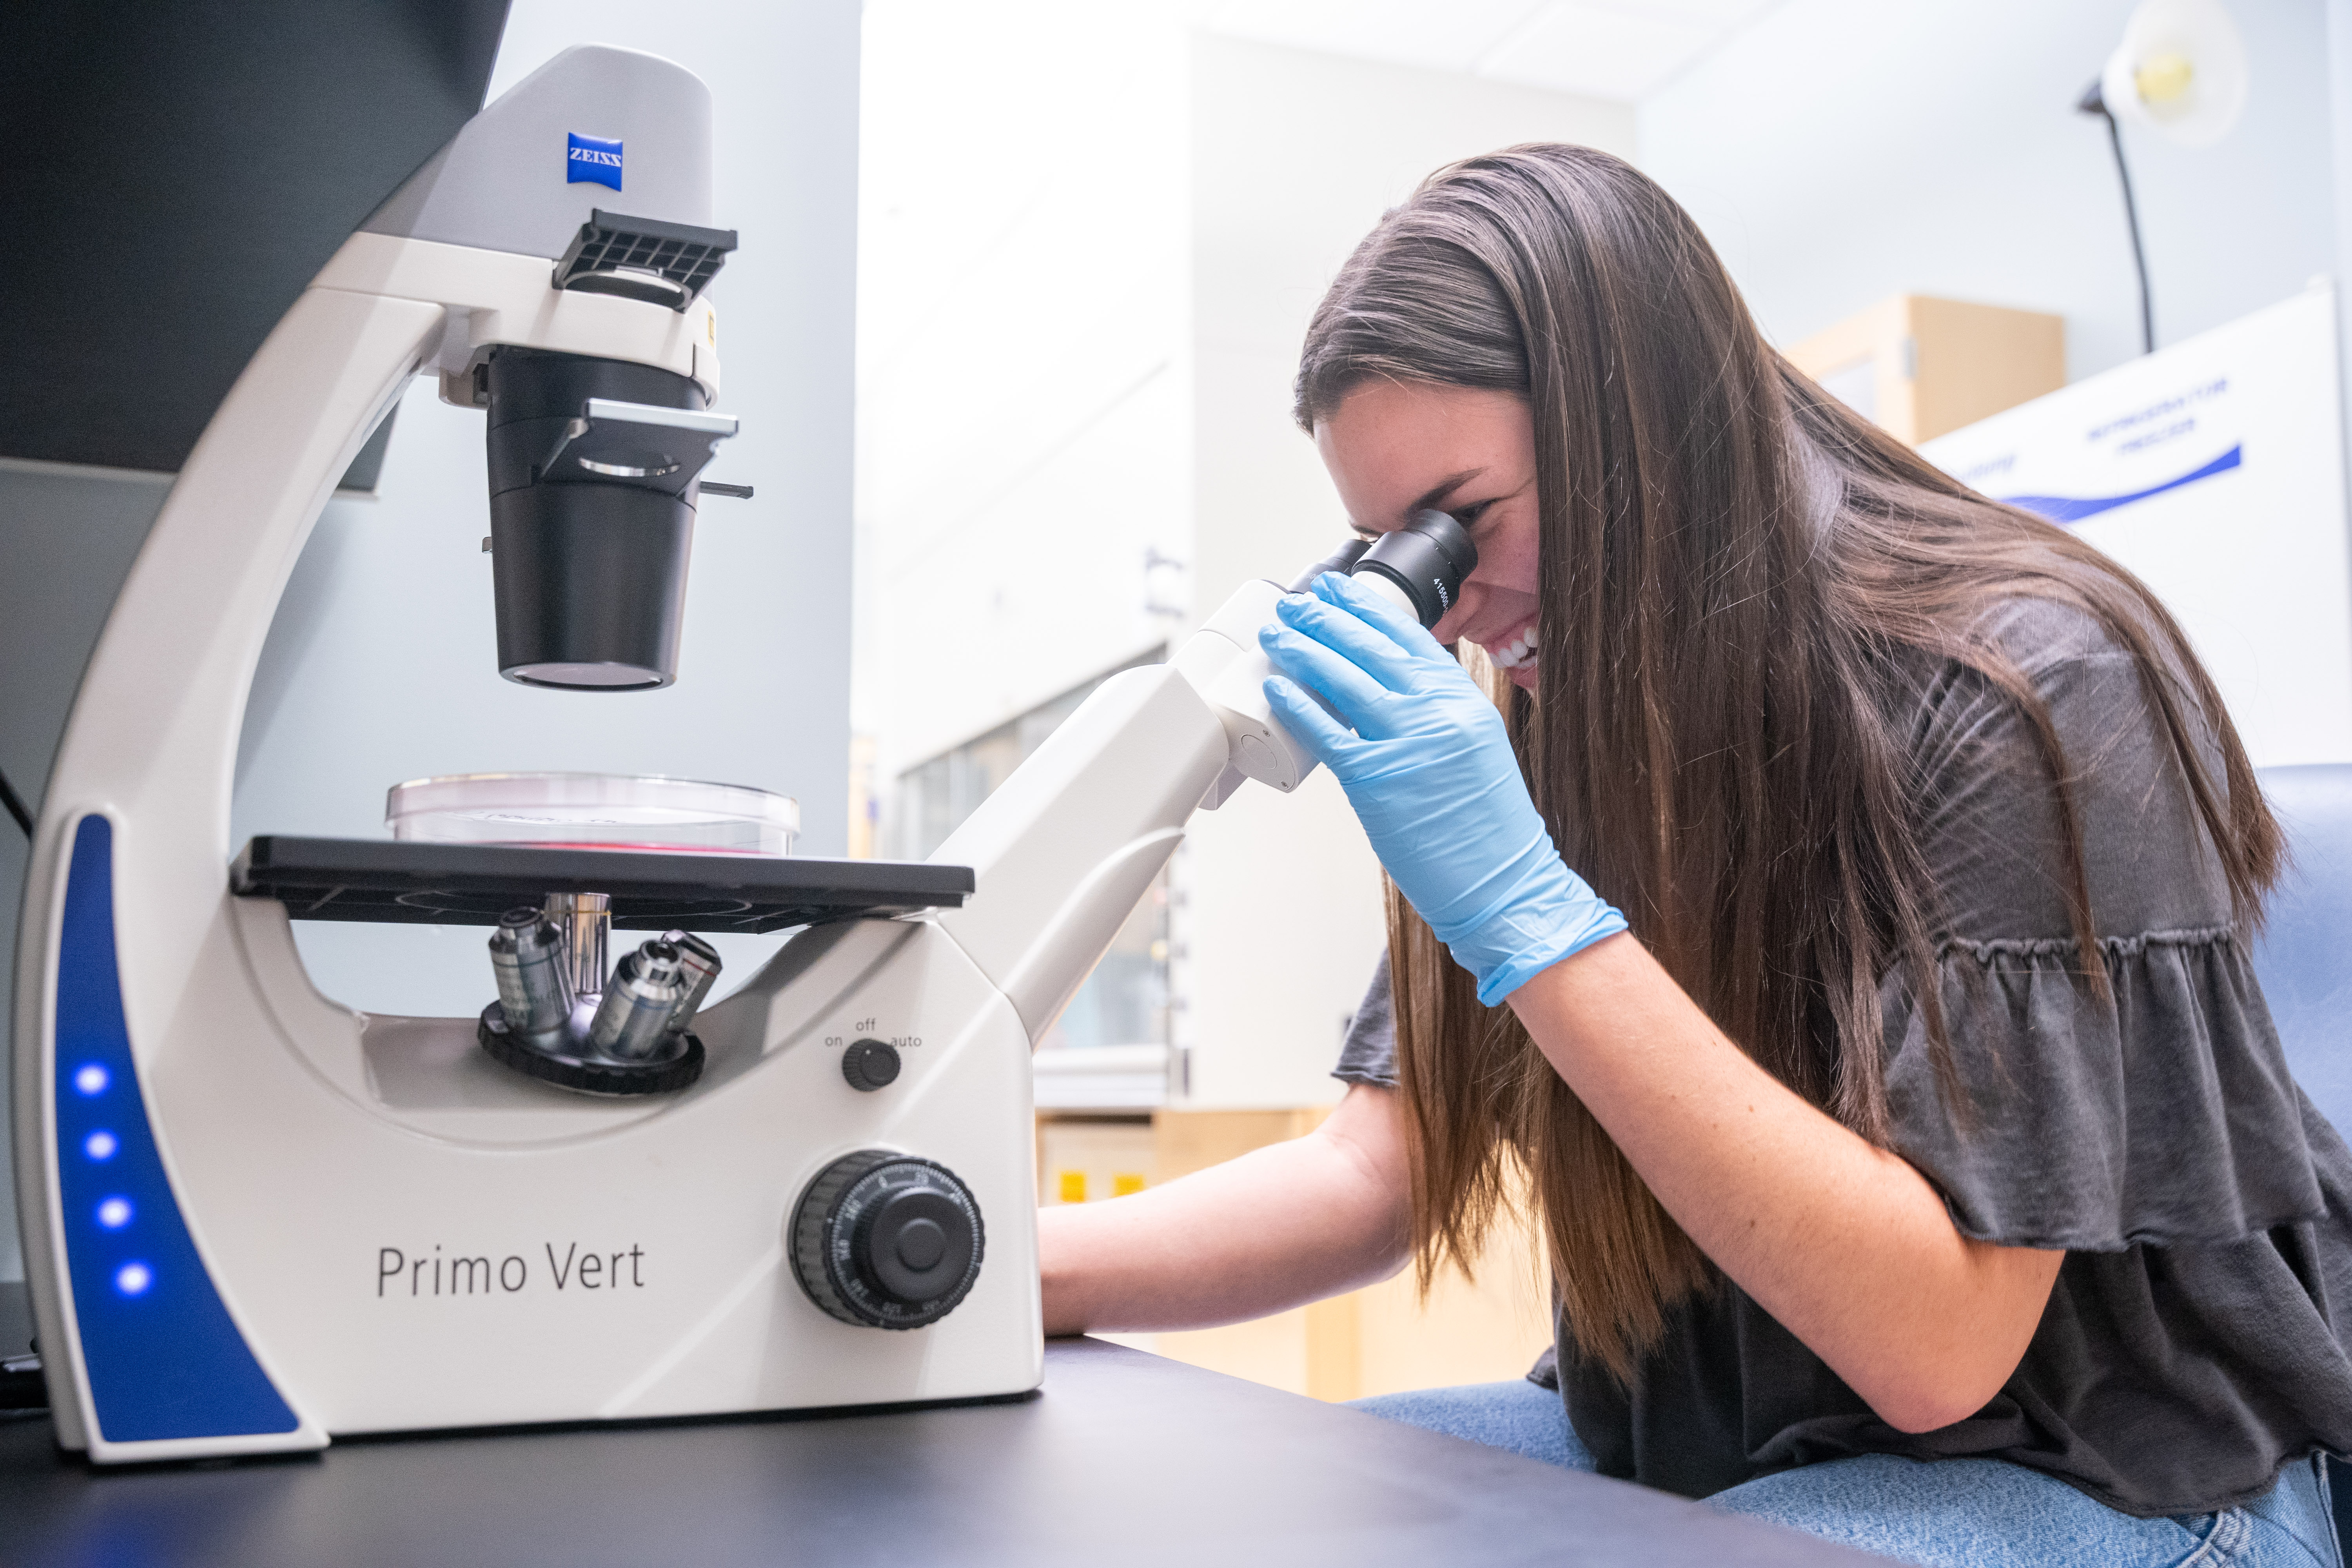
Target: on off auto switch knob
[[886, 1240], [869, 1065]]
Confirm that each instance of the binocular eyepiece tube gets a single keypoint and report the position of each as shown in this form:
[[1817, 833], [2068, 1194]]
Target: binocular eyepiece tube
[[1420, 566], [1426, 561]]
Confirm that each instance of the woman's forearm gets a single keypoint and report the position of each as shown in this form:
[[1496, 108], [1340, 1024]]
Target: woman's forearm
[[1281, 1225], [1846, 1244]]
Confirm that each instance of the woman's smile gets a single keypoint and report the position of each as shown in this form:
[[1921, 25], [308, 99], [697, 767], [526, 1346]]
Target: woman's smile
[[1516, 655]]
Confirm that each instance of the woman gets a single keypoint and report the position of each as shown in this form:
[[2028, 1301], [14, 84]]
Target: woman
[[1921, 1103]]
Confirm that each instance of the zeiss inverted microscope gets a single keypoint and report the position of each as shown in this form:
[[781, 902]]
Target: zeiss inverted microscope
[[255, 1218]]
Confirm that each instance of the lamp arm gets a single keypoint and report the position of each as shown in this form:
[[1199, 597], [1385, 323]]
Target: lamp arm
[[2094, 102]]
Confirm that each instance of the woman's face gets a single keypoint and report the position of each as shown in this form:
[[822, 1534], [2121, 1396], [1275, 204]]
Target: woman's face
[[1395, 449]]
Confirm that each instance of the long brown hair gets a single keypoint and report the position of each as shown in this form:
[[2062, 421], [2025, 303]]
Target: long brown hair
[[1734, 572]]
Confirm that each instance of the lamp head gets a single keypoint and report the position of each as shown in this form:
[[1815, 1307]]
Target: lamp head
[[2180, 71]]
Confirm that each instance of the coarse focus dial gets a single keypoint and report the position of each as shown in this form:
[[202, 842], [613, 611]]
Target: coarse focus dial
[[886, 1240]]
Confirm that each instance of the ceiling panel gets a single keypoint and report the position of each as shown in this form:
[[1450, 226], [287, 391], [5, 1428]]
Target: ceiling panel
[[1710, 13], [1603, 52], [1448, 36], [1616, 50]]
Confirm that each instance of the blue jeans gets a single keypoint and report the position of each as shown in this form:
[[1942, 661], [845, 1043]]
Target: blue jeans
[[1970, 1513]]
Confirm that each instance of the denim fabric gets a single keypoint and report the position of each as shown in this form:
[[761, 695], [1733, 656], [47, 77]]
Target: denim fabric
[[1969, 1513], [1518, 1416]]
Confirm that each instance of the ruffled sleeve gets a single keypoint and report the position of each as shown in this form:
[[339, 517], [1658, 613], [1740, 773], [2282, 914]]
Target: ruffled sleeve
[[2161, 1113]]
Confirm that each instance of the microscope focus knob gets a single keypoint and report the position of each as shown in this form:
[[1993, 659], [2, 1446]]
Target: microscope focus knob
[[886, 1240]]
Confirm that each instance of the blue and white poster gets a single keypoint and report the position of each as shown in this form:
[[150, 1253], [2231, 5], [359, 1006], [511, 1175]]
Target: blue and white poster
[[2214, 471]]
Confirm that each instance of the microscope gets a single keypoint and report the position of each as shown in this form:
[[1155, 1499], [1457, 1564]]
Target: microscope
[[255, 1218]]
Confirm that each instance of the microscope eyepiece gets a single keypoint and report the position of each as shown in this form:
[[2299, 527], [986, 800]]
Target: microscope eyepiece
[[1428, 558], [1342, 560]]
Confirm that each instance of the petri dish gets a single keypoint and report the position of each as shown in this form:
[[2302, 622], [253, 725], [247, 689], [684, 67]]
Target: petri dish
[[594, 811]]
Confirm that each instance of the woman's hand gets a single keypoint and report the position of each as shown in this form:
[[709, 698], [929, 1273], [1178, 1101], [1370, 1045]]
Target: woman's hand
[[1429, 769]]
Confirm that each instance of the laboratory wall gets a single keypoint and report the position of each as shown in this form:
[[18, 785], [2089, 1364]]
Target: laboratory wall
[[1838, 152], [2339, 114], [1022, 410], [1294, 157], [380, 665]]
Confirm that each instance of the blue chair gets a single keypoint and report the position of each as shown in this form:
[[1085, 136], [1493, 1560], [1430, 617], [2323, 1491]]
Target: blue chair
[[2304, 960]]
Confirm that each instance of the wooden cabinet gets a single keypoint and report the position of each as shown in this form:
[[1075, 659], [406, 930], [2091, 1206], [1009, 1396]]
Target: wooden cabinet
[[1922, 366]]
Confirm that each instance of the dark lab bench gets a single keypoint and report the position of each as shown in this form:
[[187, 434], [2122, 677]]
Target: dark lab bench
[[1123, 1458]]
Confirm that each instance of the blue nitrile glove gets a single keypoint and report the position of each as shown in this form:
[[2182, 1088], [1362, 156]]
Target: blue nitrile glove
[[1430, 773]]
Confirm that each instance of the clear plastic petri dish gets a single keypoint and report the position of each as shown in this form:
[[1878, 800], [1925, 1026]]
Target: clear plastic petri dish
[[594, 811]]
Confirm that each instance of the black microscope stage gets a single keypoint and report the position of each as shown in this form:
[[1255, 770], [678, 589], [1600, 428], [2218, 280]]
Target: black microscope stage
[[472, 884]]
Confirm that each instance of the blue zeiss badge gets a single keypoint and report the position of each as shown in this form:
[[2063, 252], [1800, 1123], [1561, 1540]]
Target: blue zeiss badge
[[592, 158]]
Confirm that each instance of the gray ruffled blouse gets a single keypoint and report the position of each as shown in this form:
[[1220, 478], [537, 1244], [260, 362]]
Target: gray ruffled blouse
[[2196, 1338]]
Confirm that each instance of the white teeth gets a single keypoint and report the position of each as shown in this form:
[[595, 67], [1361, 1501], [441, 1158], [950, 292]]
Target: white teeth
[[1520, 650]]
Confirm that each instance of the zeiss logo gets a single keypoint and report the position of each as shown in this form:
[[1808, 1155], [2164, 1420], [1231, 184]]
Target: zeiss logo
[[592, 158]]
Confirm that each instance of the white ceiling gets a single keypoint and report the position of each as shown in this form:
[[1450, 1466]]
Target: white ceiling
[[1601, 49]]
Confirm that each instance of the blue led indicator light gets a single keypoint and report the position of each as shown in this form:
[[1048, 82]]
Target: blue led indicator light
[[91, 1079], [161, 1357]]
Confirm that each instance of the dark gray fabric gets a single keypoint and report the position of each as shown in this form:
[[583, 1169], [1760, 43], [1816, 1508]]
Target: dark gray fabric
[[1367, 1054], [2194, 1340]]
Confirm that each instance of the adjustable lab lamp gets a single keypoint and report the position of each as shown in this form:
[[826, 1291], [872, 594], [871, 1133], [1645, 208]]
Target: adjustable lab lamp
[[2179, 71]]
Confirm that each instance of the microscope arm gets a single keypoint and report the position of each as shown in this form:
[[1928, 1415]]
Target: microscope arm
[[1065, 848]]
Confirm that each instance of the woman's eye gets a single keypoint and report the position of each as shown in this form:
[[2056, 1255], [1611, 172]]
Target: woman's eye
[[1468, 516]]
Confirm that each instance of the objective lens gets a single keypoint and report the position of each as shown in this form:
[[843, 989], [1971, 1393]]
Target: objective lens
[[697, 964], [633, 1017], [527, 954]]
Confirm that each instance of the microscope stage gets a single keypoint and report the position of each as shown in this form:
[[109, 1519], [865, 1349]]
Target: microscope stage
[[472, 884]]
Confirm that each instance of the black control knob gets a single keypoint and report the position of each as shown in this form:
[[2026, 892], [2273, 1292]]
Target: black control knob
[[886, 1241], [869, 1065]]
